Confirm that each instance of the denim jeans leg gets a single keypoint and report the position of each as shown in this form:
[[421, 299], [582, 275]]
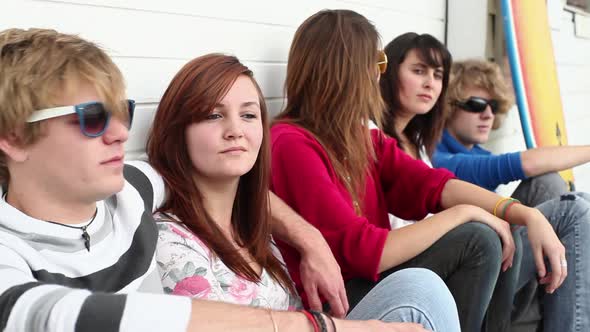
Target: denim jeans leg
[[467, 258], [526, 314], [539, 189], [411, 295], [498, 318], [568, 308]]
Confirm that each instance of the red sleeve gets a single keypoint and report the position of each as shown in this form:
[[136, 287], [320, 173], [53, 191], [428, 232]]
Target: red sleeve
[[303, 177], [412, 188]]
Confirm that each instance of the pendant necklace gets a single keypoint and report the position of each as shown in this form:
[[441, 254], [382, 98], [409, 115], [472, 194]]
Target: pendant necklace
[[85, 234]]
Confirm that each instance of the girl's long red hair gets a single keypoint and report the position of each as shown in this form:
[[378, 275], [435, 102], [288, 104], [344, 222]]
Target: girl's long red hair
[[190, 97]]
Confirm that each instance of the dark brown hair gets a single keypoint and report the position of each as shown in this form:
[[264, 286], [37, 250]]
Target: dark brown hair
[[424, 130], [190, 97]]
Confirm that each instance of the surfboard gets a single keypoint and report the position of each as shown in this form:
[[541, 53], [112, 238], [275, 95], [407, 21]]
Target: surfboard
[[534, 74]]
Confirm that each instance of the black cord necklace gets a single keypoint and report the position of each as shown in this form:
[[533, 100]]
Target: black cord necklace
[[85, 234]]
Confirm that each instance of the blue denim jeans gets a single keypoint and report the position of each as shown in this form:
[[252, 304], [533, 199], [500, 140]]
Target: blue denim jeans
[[467, 258], [568, 308], [500, 310], [539, 189], [522, 312], [411, 295]]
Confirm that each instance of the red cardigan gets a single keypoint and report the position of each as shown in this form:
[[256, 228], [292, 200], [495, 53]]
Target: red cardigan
[[304, 178]]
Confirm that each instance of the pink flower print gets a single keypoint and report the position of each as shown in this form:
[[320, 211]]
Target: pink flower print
[[195, 286], [242, 291], [188, 235]]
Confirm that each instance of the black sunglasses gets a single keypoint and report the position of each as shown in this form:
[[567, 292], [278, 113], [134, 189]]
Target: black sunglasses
[[93, 116], [477, 104]]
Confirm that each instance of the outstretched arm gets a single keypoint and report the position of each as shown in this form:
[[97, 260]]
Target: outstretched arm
[[217, 316], [27, 304], [408, 242], [543, 160]]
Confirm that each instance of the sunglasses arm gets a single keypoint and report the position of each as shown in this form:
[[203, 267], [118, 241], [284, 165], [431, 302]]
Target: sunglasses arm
[[51, 113]]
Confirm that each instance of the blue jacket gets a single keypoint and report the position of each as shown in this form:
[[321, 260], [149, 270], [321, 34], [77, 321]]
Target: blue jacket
[[477, 165]]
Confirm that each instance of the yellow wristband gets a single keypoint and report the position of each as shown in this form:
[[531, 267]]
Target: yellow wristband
[[498, 204]]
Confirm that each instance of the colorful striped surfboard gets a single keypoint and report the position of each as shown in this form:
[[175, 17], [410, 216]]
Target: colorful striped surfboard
[[534, 74]]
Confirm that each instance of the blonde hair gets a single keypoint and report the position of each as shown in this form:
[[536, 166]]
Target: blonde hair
[[332, 90], [480, 74], [35, 65]]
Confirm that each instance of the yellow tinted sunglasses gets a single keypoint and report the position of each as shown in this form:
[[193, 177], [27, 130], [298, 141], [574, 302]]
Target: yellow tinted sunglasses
[[382, 61]]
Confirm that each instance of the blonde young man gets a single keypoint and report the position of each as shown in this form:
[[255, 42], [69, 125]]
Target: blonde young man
[[77, 238], [476, 95], [477, 100]]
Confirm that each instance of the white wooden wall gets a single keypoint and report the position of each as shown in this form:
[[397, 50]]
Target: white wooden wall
[[150, 40], [572, 55]]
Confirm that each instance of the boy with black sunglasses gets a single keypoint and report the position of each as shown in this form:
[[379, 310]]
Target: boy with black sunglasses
[[476, 102], [77, 238]]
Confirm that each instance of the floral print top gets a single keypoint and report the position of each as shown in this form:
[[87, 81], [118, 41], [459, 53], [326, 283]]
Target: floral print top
[[187, 267]]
